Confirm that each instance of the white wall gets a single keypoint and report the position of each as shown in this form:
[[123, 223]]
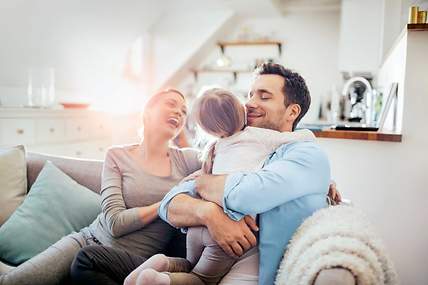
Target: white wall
[[85, 41], [360, 35], [387, 180]]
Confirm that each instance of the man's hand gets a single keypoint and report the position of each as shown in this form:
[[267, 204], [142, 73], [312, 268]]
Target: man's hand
[[334, 194], [211, 187], [235, 238]]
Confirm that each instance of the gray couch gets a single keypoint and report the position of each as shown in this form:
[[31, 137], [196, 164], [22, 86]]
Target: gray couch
[[88, 174]]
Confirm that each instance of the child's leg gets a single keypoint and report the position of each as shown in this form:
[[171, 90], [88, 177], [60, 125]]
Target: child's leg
[[151, 271], [194, 244], [210, 262], [214, 263]]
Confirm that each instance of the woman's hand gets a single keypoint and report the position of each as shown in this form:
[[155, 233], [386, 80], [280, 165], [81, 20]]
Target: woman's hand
[[149, 213], [334, 194]]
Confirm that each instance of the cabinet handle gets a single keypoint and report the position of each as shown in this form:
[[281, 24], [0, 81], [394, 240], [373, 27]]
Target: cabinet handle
[[19, 131], [79, 128], [52, 130], [78, 153]]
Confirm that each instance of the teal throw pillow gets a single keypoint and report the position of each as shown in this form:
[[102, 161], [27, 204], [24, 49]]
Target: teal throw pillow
[[55, 207]]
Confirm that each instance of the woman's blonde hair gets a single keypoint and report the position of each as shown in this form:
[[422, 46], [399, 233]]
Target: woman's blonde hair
[[218, 111]]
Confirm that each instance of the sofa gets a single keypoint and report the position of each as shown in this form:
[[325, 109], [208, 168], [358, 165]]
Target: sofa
[[88, 174]]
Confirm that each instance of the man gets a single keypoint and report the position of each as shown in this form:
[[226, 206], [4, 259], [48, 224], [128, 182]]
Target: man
[[290, 187]]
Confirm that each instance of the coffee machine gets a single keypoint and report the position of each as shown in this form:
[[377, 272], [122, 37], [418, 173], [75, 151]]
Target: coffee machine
[[357, 100]]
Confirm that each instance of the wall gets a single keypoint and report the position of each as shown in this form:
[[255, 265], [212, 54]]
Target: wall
[[387, 180], [184, 36], [85, 41], [360, 35]]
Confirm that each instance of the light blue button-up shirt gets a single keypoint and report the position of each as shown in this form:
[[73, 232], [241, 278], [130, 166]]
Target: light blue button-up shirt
[[291, 186]]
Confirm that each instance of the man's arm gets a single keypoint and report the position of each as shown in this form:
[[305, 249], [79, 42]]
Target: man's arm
[[185, 211], [181, 210]]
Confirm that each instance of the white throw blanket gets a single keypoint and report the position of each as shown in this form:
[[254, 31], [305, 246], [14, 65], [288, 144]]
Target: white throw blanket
[[338, 236]]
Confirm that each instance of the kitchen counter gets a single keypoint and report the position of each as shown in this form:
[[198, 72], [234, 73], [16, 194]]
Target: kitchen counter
[[417, 27], [359, 135]]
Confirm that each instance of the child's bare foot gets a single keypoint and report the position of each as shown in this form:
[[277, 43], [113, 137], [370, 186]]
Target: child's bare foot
[[162, 263], [158, 262], [152, 277]]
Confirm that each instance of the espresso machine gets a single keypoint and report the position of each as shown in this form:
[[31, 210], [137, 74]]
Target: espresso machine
[[357, 101]]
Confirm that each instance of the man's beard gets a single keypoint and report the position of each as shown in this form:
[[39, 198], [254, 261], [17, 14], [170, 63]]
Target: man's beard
[[268, 125]]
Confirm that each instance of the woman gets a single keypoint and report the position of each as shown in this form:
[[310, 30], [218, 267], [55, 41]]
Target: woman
[[135, 178]]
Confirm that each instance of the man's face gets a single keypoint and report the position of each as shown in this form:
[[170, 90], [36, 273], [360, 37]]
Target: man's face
[[265, 106]]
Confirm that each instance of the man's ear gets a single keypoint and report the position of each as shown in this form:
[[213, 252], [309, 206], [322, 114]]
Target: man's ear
[[293, 111]]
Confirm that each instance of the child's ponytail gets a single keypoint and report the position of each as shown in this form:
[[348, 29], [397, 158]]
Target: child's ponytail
[[208, 159]]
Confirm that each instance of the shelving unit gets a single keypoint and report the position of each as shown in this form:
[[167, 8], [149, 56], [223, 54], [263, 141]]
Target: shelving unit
[[234, 71]]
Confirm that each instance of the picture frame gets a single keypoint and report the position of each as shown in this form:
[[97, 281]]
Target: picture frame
[[391, 98]]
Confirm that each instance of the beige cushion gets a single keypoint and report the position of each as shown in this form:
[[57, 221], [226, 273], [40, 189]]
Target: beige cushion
[[13, 180]]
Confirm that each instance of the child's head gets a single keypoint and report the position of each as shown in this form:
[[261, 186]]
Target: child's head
[[218, 112]]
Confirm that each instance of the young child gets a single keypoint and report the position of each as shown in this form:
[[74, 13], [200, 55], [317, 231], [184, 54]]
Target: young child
[[238, 148]]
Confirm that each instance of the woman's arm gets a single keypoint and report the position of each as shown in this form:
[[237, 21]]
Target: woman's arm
[[150, 213], [121, 220]]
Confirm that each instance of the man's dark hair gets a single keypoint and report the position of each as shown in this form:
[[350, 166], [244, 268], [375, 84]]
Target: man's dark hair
[[295, 89]]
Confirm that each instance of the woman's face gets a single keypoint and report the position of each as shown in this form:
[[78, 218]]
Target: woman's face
[[167, 115]]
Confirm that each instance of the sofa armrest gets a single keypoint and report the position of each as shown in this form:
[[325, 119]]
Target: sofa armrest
[[335, 276]]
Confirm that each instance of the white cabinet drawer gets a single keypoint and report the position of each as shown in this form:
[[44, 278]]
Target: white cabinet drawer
[[77, 129], [16, 131], [99, 128], [50, 130]]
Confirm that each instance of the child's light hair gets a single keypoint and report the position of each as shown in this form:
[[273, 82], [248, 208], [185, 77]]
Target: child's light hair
[[218, 112]]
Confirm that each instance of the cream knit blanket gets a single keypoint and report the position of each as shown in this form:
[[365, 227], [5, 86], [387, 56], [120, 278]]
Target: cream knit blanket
[[338, 236]]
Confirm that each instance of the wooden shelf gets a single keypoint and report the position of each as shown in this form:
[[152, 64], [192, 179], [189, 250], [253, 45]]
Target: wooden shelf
[[223, 44], [359, 135], [417, 27], [234, 72], [249, 43]]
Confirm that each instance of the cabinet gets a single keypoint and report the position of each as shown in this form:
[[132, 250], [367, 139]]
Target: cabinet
[[74, 133], [360, 44]]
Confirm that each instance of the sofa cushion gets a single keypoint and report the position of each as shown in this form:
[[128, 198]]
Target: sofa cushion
[[13, 180], [55, 207]]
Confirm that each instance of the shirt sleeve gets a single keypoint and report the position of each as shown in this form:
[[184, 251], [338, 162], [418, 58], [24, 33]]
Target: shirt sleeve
[[300, 169], [119, 219], [187, 187]]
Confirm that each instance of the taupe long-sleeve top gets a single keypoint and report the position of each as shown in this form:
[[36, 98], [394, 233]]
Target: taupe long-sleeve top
[[125, 187]]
